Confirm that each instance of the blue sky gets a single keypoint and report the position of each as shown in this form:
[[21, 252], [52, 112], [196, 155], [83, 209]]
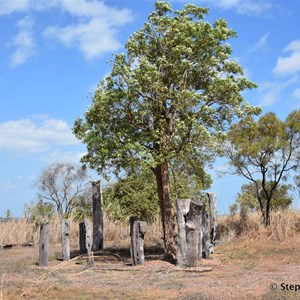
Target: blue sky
[[53, 53]]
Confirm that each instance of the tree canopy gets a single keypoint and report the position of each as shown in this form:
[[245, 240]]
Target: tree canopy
[[265, 152], [168, 98]]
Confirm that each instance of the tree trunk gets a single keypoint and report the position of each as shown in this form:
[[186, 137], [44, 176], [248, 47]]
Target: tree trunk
[[168, 215], [267, 219]]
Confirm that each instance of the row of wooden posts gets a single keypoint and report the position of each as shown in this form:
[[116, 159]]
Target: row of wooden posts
[[90, 237], [196, 232]]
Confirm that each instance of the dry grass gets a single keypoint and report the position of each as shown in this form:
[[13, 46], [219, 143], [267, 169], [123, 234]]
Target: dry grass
[[116, 233], [251, 243], [285, 225], [249, 258]]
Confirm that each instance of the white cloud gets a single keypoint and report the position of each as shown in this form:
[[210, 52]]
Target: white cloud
[[242, 6], [289, 65], [6, 185], [261, 44], [56, 156], [296, 94], [31, 136], [96, 30], [23, 41], [10, 6], [271, 91]]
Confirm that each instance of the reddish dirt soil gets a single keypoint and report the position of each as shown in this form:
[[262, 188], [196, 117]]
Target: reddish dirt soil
[[114, 278]]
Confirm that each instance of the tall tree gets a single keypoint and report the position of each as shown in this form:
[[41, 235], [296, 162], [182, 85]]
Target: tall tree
[[169, 97], [265, 152]]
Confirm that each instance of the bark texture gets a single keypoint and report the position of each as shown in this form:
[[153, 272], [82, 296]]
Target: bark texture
[[168, 215]]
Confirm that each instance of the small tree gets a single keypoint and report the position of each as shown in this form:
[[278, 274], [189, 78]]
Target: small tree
[[169, 97], [62, 184], [39, 212], [247, 199], [265, 152]]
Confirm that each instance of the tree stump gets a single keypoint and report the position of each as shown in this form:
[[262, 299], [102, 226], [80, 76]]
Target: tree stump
[[182, 206], [189, 217], [137, 233], [142, 228], [44, 245], [97, 216], [85, 236], [65, 239]]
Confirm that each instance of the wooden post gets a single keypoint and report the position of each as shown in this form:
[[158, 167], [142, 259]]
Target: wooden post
[[182, 206], [189, 216], [65, 239], [89, 241], [97, 216], [212, 216], [142, 228], [133, 237], [192, 233], [205, 235], [82, 238], [44, 245], [85, 236]]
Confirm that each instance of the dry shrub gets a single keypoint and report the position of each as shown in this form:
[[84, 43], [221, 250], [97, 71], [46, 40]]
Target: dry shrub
[[285, 225]]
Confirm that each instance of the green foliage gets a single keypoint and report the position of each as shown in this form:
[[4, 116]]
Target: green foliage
[[39, 212], [83, 207], [247, 199], [134, 195], [265, 152], [170, 96]]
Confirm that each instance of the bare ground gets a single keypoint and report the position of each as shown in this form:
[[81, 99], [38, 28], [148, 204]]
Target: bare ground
[[238, 270]]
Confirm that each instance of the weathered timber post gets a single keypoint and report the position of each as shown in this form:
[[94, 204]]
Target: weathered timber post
[[189, 216], [97, 216], [182, 206], [212, 216], [133, 238], [82, 238], [65, 239], [85, 236], [142, 228], [44, 245], [205, 235], [89, 242]]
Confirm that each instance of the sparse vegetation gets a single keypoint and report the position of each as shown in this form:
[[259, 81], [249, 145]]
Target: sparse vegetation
[[251, 257]]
